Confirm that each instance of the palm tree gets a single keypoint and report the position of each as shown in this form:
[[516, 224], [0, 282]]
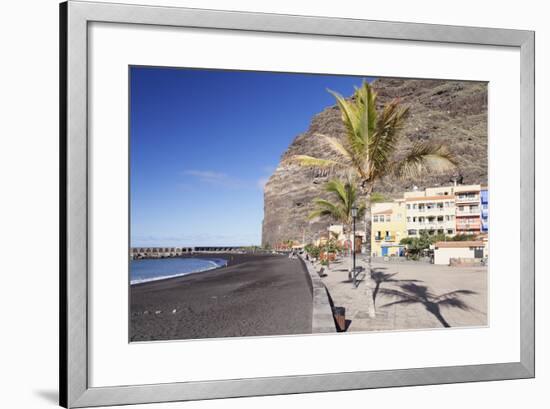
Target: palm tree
[[369, 147], [418, 294], [345, 194], [340, 210]]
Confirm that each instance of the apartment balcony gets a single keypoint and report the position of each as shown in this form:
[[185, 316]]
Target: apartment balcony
[[385, 238], [431, 212], [432, 226], [467, 199], [468, 226], [468, 229], [432, 222], [468, 213]]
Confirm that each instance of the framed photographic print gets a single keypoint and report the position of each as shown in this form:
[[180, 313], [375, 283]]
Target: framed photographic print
[[247, 196]]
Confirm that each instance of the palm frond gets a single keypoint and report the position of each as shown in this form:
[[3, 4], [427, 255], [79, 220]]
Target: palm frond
[[371, 108], [348, 111], [326, 208], [337, 146], [345, 195], [340, 189], [384, 140], [318, 213], [324, 203], [366, 107], [310, 161], [425, 157], [351, 117]]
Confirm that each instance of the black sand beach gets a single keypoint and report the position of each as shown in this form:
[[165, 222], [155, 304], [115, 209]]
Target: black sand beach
[[254, 295]]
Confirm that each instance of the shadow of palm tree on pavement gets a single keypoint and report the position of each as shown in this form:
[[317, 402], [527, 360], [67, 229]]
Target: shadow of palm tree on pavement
[[380, 277], [411, 293]]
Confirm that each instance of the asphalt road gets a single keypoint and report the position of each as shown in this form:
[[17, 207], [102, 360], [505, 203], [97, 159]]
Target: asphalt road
[[255, 295]]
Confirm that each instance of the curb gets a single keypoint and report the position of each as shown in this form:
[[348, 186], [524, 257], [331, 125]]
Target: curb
[[322, 319]]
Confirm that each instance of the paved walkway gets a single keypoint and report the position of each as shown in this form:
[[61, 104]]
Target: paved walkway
[[410, 295]]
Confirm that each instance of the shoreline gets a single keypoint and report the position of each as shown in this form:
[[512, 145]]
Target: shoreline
[[228, 257]]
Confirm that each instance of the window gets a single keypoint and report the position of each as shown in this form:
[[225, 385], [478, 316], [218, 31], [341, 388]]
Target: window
[[399, 216], [450, 231], [414, 218], [439, 218], [408, 219], [375, 219], [408, 206], [412, 232], [461, 208], [381, 218], [388, 218], [378, 235]]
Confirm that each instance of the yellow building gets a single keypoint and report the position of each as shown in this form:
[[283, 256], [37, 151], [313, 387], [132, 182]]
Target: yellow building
[[388, 228]]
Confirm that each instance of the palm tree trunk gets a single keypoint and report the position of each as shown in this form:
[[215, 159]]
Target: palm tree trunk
[[370, 285]]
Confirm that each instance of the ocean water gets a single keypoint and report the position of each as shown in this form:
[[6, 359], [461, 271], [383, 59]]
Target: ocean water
[[158, 269]]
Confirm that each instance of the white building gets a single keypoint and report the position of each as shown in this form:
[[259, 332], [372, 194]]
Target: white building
[[432, 210], [444, 251]]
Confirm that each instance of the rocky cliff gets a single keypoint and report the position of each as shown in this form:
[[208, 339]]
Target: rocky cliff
[[451, 112]]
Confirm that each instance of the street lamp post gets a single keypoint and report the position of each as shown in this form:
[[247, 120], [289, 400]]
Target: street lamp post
[[354, 216]]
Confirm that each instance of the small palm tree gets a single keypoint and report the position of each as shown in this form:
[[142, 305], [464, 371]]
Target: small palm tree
[[369, 147], [411, 293], [340, 211]]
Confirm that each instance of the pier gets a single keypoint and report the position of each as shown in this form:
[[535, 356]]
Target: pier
[[162, 252]]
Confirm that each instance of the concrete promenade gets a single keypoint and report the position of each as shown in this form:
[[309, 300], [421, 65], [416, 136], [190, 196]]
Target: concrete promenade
[[409, 295]]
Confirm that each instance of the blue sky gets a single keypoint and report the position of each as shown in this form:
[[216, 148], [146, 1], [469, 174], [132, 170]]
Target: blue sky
[[203, 143]]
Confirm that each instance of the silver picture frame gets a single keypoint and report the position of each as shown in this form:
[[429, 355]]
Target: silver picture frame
[[75, 16]]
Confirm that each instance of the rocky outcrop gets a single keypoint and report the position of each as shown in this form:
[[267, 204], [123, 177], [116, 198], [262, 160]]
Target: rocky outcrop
[[450, 112]]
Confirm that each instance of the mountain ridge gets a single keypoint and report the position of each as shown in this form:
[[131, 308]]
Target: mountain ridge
[[453, 113]]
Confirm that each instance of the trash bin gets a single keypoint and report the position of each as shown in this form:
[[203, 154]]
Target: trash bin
[[340, 318]]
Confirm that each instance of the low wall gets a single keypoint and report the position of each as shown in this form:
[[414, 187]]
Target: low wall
[[425, 260], [322, 318], [465, 262]]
